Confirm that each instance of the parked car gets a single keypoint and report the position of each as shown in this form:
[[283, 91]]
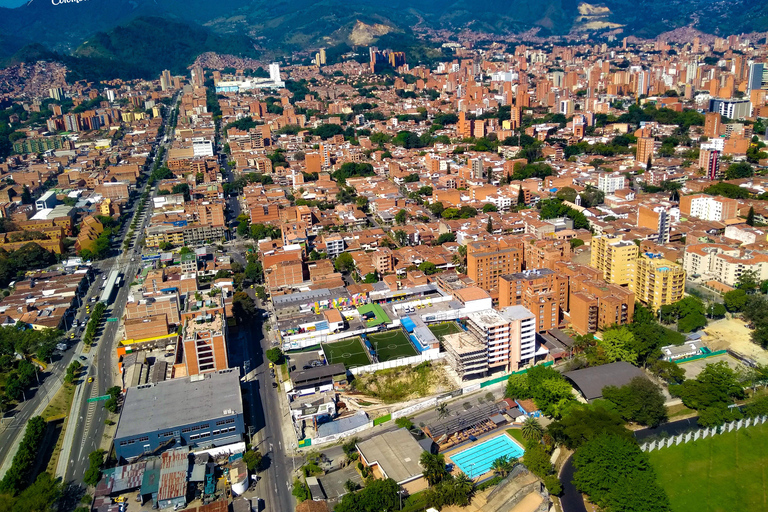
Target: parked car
[[83, 358], [274, 384]]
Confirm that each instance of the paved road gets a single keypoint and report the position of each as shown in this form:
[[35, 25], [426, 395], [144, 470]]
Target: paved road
[[85, 434]]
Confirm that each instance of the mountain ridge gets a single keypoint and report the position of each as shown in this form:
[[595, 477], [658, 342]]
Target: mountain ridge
[[96, 29]]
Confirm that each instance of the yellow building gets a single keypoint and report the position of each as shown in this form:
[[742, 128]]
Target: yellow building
[[614, 257], [657, 281]]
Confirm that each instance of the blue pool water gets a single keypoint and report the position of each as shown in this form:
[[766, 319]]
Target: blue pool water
[[477, 460]]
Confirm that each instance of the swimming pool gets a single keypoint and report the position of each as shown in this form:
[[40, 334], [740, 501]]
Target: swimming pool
[[478, 459]]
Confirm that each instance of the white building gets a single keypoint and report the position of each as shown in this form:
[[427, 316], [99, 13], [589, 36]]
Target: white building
[[610, 183], [509, 335], [202, 146], [723, 263]]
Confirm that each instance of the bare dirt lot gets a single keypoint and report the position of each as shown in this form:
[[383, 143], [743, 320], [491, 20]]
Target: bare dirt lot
[[732, 334], [693, 368]]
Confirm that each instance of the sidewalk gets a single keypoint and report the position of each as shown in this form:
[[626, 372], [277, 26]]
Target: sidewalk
[[69, 432]]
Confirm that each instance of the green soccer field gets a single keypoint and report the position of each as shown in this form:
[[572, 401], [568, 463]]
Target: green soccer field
[[444, 329], [350, 353], [392, 345], [726, 472]]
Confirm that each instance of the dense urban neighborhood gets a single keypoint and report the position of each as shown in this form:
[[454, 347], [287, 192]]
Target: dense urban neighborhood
[[489, 276]]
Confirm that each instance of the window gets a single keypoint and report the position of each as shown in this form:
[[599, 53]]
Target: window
[[185, 430]]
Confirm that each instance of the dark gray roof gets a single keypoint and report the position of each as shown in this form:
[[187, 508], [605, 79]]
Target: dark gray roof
[[320, 372], [172, 403], [591, 381], [562, 337]]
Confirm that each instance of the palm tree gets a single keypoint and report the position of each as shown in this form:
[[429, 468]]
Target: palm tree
[[532, 429], [500, 466], [434, 467], [465, 488], [442, 410], [503, 465]]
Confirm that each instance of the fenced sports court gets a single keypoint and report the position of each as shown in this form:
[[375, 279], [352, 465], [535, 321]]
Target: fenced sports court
[[391, 345], [350, 353]]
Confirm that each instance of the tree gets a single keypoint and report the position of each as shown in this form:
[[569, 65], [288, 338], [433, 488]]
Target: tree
[[536, 459], [18, 475], [532, 429], [401, 216], [716, 387], [748, 281], [640, 401], [489, 207], [552, 396], [489, 225], [26, 196], [243, 306], [252, 459], [344, 262], [616, 475], [371, 277], [404, 423], [735, 300], [751, 216], [442, 410], [566, 194], [350, 486], [93, 473], [445, 237], [401, 237], [503, 465], [428, 268], [300, 490], [668, 371], [275, 355], [434, 467], [436, 208], [616, 345], [739, 170], [584, 422], [716, 310], [521, 196], [42, 496], [518, 387]]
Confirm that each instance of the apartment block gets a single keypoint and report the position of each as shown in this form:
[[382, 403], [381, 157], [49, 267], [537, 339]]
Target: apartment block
[[542, 291], [723, 263], [657, 281], [205, 346], [610, 183], [658, 218], [712, 208], [614, 258], [383, 260], [645, 148], [509, 336], [592, 303], [487, 260]]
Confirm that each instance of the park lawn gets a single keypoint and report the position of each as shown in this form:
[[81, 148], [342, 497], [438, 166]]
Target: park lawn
[[726, 472], [444, 329]]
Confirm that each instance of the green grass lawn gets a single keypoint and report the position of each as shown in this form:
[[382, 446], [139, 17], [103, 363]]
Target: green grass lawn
[[726, 472], [444, 328], [517, 435], [392, 345], [350, 353]]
